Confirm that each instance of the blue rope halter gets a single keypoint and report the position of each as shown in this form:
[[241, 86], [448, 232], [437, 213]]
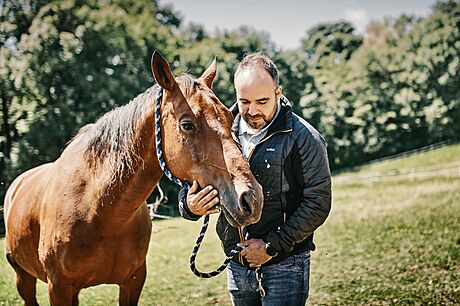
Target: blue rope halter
[[184, 184]]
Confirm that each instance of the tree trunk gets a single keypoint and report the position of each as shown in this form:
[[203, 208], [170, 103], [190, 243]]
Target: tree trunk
[[6, 148]]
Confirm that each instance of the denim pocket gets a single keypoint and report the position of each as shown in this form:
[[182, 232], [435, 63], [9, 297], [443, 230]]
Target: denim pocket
[[289, 264]]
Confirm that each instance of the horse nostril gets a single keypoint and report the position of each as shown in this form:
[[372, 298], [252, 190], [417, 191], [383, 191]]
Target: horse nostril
[[247, 201]]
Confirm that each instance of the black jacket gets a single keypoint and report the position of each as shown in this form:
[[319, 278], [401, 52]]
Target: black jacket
[[297, 188]]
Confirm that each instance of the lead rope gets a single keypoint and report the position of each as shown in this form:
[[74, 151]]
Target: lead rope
[[217, 271], [183, 184]]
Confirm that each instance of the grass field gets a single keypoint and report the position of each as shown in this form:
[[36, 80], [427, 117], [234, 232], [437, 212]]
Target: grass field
[[395, 242]]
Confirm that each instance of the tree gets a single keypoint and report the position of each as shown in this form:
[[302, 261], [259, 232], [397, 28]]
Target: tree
[[74, 61], [294, 77], [15, 20], [229, 47], [403, 80], [325, 100]]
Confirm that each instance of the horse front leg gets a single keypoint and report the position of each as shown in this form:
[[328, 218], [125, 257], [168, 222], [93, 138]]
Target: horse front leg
[[130, 291], [75, 298], [61, 294], [26, 285]]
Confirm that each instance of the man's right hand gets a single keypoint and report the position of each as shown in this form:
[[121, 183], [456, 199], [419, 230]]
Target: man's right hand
[[202, 202]]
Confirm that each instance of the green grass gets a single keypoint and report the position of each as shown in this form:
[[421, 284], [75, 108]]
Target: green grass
[[389, 243]]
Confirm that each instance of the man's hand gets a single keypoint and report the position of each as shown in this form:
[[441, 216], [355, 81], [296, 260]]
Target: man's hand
[[202, 202], [254, 252]]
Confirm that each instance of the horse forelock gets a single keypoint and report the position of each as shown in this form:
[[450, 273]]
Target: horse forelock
[[188, 85], [111, 141]]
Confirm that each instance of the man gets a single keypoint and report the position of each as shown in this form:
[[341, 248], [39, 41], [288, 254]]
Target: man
[[288, 158]]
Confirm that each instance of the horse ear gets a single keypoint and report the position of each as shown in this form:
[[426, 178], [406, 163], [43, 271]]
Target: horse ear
[[162, 72], [210, 73]]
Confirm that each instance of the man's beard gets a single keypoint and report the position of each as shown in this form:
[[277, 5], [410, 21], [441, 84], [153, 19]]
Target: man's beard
[[251, 121]]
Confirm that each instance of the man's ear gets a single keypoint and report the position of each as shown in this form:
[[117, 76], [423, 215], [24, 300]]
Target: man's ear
[[162, 72], [210, 73], [278, 92]]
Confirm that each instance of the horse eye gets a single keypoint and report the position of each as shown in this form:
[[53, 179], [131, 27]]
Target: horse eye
[[187, 126]]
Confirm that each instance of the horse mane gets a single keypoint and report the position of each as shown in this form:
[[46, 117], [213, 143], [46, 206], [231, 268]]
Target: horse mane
[[111, 141]]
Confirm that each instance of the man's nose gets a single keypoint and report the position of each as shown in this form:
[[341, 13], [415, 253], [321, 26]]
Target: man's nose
[[252, 110]]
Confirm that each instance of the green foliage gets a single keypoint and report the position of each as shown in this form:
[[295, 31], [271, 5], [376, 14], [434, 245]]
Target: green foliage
[[393, 91], [327, 42], [15, 109], [229, 47], [76, 61], [327, 100], [88, 61]]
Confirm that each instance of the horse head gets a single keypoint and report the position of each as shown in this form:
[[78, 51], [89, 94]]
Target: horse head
[[198, 143]]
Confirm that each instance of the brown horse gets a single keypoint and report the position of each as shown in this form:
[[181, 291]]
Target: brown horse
[[81, 220]]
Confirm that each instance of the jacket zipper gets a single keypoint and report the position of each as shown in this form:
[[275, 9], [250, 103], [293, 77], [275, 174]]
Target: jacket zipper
[[240, 231]]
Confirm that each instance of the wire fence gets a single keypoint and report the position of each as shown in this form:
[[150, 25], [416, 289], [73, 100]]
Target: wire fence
[[427, 148], [416, 151], [451, 169]]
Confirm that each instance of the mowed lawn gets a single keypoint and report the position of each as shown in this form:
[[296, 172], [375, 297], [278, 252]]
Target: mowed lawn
[[392, 242]]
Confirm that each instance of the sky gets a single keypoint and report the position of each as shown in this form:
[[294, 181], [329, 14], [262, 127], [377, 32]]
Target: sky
[[288, 20]]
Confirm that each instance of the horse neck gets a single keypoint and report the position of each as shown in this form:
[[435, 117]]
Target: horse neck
[[129, 191]]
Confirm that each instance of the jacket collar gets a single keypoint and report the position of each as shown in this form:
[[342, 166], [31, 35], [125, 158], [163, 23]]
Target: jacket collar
[[281, 123]]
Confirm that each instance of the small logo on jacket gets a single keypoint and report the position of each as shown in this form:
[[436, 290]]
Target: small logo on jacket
[[270, 149]]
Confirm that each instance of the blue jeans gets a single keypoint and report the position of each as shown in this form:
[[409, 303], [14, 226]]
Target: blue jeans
[[284, 283]]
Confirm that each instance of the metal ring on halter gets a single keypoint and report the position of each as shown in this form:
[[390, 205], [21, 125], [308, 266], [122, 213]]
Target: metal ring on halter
[[159, 151]]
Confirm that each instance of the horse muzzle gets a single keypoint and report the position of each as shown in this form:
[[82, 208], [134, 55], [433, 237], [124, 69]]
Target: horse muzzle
[[245, 207]]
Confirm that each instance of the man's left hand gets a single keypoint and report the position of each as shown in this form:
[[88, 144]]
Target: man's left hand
[[254, 252]]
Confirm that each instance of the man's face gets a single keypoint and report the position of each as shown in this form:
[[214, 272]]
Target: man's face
[[257, 97]]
